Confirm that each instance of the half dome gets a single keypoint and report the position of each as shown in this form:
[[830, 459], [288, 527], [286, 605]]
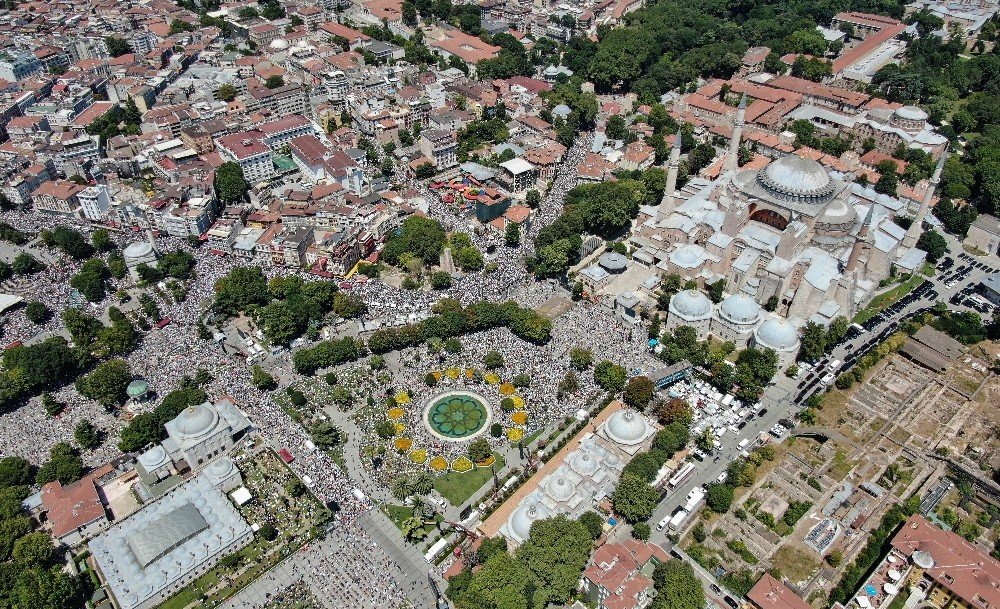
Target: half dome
[[911, 113]]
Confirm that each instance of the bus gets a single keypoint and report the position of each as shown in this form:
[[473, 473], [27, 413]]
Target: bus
[[681, 476], [661, 475]]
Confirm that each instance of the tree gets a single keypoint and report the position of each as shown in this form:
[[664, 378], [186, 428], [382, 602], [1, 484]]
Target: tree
[[86, 435], [634, 499], [719, 498], [230, 183], [64, 465], [15, 471], [813, 343], [677, 587], [33, 550], [36, 312], [226, 93], [499, 583], [326, 435], [117, 46], [242, 288], [580, 358], [26, 264], [268, 531], [594, 523], [493, 360], [101, 240], [248, 13], [641, 531], [532, 198], [479, 450], [422, 238], [274, 82], [555, 554], [424, 171], [609, 376], [261, 379], [639, 392], [674, 409], [933, 243], [107, 383], [512, 234], [715, 290]]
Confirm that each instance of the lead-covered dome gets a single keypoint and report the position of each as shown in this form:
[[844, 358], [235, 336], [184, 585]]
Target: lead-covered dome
[[911, 113], [627, 427], [691, 304], [196, 421], [798, 178], [583, 463], [777, 334], [559, 488], [740, 309], [524, 516]]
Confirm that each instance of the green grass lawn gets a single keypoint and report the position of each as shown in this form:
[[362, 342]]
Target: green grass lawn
[[888, 298], [457, 488]]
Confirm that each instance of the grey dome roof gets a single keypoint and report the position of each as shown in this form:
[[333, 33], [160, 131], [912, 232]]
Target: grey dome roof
[[911, 113], [196, 421], [687, 256], [777, 334], [153, 457], [583, 463], [562, 110], [221, 467], [740, 309], [798, 177], [613, 261], [838, 212], [524, 516], [691, 304], [559, 488], [139, 249], [626, 427]]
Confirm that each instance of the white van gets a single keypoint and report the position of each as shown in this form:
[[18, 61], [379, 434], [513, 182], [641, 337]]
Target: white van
[[661, 524], [743, 444]]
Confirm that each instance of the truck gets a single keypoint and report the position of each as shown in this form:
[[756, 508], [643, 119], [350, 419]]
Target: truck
[[677, 520], [835, 364], [694, 499]]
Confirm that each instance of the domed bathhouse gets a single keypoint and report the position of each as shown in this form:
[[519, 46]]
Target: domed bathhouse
[[586, 475], [779, 335], [690, 308], [792, 232], [137, 253], [735, 319]]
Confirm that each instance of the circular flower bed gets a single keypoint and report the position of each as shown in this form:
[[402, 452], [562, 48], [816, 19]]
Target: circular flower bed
[[403, 444], [395, 414], [452, 373], [418, 456], [469, 373], [437, 375], [518, 402], [399, 427], [439, 464], [461, 465], [402, 398], [492, 378], [507, 389], [514, 434], [520, 417]]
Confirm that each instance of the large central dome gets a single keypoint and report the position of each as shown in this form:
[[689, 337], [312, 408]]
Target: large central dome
[[798, 178]]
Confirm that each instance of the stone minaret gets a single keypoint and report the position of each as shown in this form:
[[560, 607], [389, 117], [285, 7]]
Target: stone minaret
[[732, 158], [667, 204], [913, 233], [861, 241]]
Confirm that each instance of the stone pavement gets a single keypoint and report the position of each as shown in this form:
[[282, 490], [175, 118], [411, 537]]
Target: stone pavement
[[412, 579]]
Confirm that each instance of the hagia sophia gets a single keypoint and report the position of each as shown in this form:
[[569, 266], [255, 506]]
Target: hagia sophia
[[792, 233]]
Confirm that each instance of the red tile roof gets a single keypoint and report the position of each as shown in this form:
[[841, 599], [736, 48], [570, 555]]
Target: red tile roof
[[76, 505], [769, 593]]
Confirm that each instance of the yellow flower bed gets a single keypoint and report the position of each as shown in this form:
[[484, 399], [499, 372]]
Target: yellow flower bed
[[492, 378], [437, 375], [439, 464], [520, 417], [470, 372], [395, 414], [402, 398], [518, 402], [399, 428], [486, 462], [507, 389], [461, 465], [514, 434], [452, 373], [418, 456], [403, 444]]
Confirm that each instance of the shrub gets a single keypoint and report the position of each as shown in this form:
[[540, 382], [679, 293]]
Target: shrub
[[496, 430], [430, 379], [507, 404], [298, 398]]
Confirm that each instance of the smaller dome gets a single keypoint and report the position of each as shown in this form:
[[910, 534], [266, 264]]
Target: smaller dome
[[137, 389], [740, 309], [139, 249], [777, 334], [562, 110], [687, 256], [613, 261], [559, 488], [153, 457], [923, 559], [221, 467], [911, 113], [691, 304], [627, 427], [838, 212], [583, 463], [278, 44], [524, 516]]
